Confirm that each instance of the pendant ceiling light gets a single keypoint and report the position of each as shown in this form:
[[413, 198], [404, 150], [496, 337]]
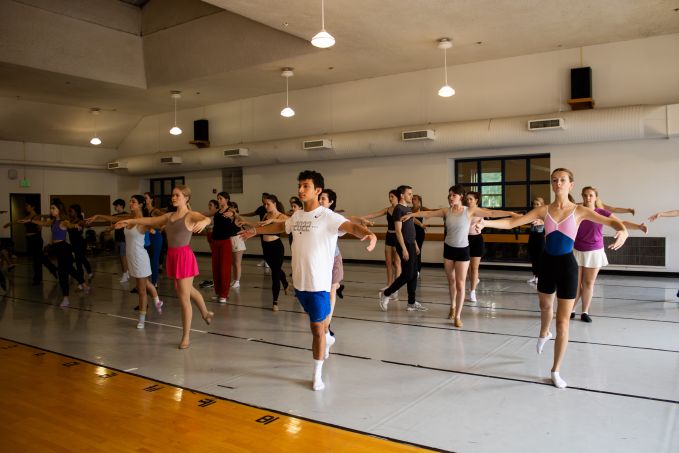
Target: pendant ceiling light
[[446, 90], [95, 140], [323, 39], [175, 129], [287, 111]]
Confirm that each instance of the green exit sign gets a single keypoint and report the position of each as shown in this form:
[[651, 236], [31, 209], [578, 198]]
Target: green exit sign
[[25, 183]]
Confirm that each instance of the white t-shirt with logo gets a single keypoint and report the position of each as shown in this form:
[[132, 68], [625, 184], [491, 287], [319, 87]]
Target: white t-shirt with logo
[[313, 247]]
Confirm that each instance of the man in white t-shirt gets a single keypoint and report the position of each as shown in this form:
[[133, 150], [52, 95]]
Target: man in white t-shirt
[[315, 231]]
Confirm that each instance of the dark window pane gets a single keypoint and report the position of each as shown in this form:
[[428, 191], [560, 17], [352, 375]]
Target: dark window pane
[[540, 190], [167, 186], [515, 170], [539, 169], [491, 171], [467, 172], [156, 187], [515, 196]]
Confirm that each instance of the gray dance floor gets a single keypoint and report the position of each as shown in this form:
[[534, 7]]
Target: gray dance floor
[[401, 375]]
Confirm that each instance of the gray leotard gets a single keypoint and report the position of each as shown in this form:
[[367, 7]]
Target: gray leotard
[[457, 228]]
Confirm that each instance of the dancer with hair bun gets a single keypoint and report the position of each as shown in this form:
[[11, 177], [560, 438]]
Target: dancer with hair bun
[[589, 248], [558, 272], [181, 265], [457, 219]]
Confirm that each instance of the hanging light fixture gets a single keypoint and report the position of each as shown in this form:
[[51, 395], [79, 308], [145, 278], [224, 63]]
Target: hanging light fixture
[[287, 111], [95, 140], [323, 39], [175, 129], [446, 90]]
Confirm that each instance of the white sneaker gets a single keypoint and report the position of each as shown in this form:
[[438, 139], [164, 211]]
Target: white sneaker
[[125, 277], [90, 276], [384, 300], [64, 303], [222, 300], [235, 284], [472, 296], [394, 296], [533, 279], [261, 263], [416, 307], [214, 298], [140, 325]]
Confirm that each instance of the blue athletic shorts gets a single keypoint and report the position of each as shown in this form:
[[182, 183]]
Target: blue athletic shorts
[[315, 303]]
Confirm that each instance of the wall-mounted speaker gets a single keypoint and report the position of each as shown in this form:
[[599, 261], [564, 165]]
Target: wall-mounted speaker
[[201, 133], [581, 83]]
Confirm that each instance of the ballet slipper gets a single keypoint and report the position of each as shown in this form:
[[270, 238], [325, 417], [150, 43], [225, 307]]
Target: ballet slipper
[[183, 345]]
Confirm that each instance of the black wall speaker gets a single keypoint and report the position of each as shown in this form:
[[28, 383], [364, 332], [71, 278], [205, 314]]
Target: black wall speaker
[[201, 131], [581, 83]]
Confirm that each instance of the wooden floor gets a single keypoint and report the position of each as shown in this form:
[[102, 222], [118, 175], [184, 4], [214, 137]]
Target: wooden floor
[[51, 402]]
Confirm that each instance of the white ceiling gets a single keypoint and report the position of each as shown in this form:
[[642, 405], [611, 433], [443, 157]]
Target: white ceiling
[[374, 38]]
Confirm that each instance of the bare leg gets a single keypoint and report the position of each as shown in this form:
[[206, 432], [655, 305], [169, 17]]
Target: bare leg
[[563, 313], [142, 285], [237, 263], [460, 277], [546, 313], [333, 298], [474, 272], [150, 288], [449, 267], [199, 302], [318, 330], [589, 275], [123, 263], [579, 293], [184, 294], [390, 264], [396, 262]]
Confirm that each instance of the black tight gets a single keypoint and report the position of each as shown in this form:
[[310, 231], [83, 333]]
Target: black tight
[[273, 255], [65, 266]]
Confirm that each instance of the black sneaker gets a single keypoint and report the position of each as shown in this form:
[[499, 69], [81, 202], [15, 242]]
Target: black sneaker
[[134, 291], [572, 315], [136, 308], [207, 284], [585, 317], [339, 292]]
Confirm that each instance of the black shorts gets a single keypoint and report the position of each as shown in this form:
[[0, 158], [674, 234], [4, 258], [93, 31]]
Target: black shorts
[[558, 273], [390, 239], [476, 245], [455, 253]]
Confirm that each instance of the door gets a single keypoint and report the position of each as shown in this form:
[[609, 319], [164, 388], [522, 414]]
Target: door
[[17, 211]]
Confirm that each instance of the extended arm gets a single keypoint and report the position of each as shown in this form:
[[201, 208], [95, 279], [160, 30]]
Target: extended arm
[[426, 214], [106, 218], [272, 228], [612, 221], [360, 232], [671, 213], [492, 213], [508, 224], [153, 222], [618, 210]]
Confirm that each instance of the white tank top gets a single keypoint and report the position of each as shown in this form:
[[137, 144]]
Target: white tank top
[[457, 228]]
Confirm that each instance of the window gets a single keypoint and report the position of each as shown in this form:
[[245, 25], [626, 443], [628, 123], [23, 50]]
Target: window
[[161, 188], [506, 182]]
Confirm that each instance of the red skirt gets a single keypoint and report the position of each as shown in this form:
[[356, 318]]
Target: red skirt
[[181, 263]]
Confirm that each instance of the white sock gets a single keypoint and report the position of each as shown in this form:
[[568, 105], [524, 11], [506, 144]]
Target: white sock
[[542, 341], [318, 372], [329, 341], [156, 299], [558, 382], [142, 319]]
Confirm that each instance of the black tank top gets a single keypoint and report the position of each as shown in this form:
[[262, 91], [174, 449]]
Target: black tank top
[[390, 223], [224, 227], [32, 228]]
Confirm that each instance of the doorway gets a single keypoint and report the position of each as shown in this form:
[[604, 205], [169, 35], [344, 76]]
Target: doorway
[[17, 211]]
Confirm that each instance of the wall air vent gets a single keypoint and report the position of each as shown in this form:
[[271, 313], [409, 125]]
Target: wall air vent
[[235, 152], [116, 165], [172, 160], [411, 136], [317, 144], [546, 124]]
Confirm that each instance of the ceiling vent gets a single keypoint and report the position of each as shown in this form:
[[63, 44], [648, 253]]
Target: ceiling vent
[[546, 124], [116, 165], [411, 136], [172, 160], [317, 144], [235, 152]]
